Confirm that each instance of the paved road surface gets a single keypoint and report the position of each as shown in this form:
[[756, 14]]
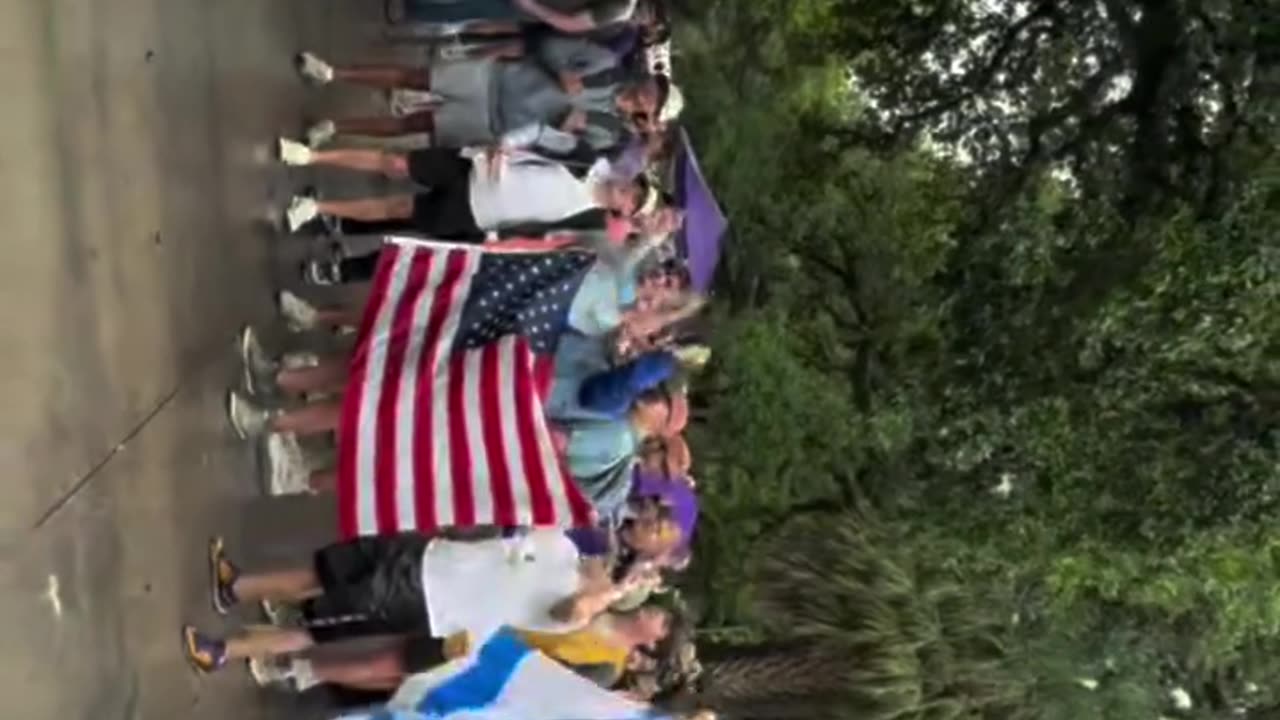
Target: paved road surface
[[132, 180]]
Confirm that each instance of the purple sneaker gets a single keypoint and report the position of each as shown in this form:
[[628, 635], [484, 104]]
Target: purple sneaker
[[204, 653]]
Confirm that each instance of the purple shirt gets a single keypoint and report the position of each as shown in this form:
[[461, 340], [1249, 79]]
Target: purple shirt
[[677, 495]]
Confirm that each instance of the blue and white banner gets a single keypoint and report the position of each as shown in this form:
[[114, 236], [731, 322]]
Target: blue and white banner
[[505, 680]]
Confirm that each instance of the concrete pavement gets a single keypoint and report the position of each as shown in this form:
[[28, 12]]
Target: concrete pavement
[[134, 172]]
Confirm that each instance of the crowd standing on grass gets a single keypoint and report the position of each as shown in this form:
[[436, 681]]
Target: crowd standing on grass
[[524, 323]]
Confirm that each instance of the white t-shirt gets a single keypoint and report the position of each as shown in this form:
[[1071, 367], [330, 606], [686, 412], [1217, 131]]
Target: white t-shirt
[[481, 586], [527, 191]]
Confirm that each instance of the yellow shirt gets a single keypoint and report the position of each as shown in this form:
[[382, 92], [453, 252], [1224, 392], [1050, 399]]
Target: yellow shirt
[[580, 648]]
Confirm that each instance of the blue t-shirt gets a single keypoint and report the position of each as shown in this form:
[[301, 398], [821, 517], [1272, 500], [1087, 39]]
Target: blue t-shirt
[[605, 292]]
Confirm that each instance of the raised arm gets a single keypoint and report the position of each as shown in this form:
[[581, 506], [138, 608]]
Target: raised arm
[[572, 55], [604, 12], [612, 391], [595, 595]]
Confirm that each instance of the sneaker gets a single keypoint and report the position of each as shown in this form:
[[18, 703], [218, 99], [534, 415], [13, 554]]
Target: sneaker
[[406, 101], [247, 419], [290, 474], [299, 359], [453, 51], [204, 653], [312, 68], [293, 152], [270, 672], [447, 29], [321, 133], [322, 272], [222, 578], [282, 614], [298, 313], [302, 210], [259, 368]]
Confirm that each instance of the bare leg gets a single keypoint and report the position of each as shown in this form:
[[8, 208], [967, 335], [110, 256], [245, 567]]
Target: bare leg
[[338, 316], [392, 207], [491, 27], [329, 375], [281, 585], [386, 77], [390, 164], [418, 122], [309, 420], [381, 671], [268, 641]]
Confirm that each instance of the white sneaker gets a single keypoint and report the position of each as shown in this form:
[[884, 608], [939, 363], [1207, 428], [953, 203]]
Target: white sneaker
[[293, 152], [404, 101], [311, 67], [298, 313], [299, 359], [247, 419], [321, 272], [282, 614], [302, 210], [289, 472], [259, 368], [321, 133], [271, 673]]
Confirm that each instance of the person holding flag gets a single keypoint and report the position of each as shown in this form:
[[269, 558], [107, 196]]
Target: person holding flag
[[507, 678], [409, 584]]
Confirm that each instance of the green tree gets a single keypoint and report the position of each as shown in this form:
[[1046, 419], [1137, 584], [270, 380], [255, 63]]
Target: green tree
[[1026, 307], [862, 629]]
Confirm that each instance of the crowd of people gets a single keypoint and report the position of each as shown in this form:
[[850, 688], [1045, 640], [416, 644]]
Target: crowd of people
[[548, 129]]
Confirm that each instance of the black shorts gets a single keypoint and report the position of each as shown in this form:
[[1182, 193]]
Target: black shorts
[[444, 210], [371, 586], [422, 652]]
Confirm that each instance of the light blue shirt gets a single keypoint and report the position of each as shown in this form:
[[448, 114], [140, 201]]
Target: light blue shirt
[[601, 449], [578, 357], [606, 290], [601, 458]]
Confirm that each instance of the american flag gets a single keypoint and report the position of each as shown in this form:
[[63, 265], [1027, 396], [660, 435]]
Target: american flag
[[442, 420]]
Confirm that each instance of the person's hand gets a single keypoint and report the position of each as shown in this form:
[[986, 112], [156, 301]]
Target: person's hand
[[571, 83], [495, 158], [576, 121], [559, 440], [663, 221], [640, 324]]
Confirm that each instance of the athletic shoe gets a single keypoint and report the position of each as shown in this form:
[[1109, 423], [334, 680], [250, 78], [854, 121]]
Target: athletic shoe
[[222, 578], [406, 101], [312, 68], [447, 29], [302, 210], [456, 50], [247, 419], [272, 611], [271, 672], [322, 272], [289, 472], [292, 152], [259, 368], [299, 359], [282, 614], [321, 133], [204, 653], [298, 313]]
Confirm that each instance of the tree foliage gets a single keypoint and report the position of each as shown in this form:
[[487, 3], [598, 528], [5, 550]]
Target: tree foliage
[[1008, 274]]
